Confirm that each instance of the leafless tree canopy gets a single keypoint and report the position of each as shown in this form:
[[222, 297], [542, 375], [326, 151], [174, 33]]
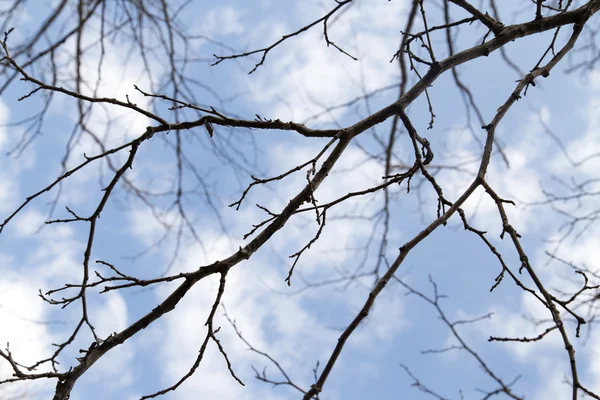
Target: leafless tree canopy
[[198, 135]]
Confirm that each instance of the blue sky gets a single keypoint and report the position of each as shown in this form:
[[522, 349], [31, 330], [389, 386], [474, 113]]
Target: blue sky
[[299, 328]]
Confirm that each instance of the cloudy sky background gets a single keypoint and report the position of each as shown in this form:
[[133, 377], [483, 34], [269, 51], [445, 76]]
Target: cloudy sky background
[[299, 328]]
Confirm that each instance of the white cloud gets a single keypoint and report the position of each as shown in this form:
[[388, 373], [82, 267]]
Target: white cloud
[[8, 189], [222, 21], [309, 74], [144, 225], [592, 379], [366, 173], [282, 326], [583, 147], [527, 155], [554, 386], [339, 234], [55, 262], [113, 125], [58, 258], [510, 323], [23, 317], [594, 79], [107, 318], [4, 117], [385, 322], [28, 222], [261, 315], [112, 316], [184, 335]]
